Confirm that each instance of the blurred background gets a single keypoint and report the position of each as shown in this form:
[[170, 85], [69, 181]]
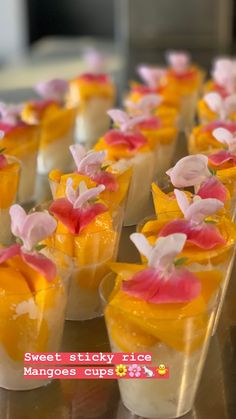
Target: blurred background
[[46, 38]]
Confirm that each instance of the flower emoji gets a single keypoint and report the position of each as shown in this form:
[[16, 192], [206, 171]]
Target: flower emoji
[[121, 370], [134, 370]]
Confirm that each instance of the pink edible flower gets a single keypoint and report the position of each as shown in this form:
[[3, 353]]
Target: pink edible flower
[[90, 164], [54, 89], [179, 61], [223, 107], [189, 171], [152, 76], [162, 282], [126, 135], [30, 229], [10, 114], [204, 235], [224, 74], [78, 209]]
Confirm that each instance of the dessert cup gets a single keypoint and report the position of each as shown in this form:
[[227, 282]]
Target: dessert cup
[[201, 139], [32, 318], [163, 142], [138, 199], [165, 203], [90, 253], [94, 94], [22, 142], [220, 258], [113, 198], [188, 85], [57, 134], [177, 337], [9, 184]]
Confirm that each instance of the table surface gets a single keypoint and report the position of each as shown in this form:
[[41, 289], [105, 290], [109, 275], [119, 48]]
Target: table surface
[[98, 399]]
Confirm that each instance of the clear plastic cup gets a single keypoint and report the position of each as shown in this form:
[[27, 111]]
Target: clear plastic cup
[[92, 121], [181, 343], [56, 135], [31, 321], [22, 143], [221, 260], [9, 185], [138, 204], [90, 254]]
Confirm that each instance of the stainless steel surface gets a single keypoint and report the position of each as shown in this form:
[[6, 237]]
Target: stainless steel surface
[[98, 399]]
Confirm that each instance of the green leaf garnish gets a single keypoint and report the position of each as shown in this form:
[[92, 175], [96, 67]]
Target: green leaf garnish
[[103, 168], [40, 247], [210, 221], [212, 171], [180, 261], [19, 241]]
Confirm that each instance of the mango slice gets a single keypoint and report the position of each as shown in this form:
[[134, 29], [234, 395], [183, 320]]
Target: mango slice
[[9, 180], [180, 326]]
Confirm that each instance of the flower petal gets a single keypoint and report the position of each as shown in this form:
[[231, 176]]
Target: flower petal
[[90, 213], [189, 171], [107, 179], [70, 192], [118, 117], [149, 285], [221, 157], [75, 219], [223, 135], [142, 244], [230, 104], [151, 75], [214, 101], [204, 236], [182, 200], [200, 209], [9, 252], [178, 60], [37, 227], [78, 153], [213, 188], [92, 162], [55, 89], [132, 141], [86, 196], [149, 102], [18, 217], [41, 264], [165, 250], [63, 210]]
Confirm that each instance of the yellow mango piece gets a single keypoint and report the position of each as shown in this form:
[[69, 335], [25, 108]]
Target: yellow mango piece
[[43, 292], [160, 136], [21, 141], [114, 199], [9, 180], [83, 90], [127, 335], [13, 289], [18, 333], [119, 151], [55, 175], [174, 324], [22, 334], [165, 204], [56, 125]]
